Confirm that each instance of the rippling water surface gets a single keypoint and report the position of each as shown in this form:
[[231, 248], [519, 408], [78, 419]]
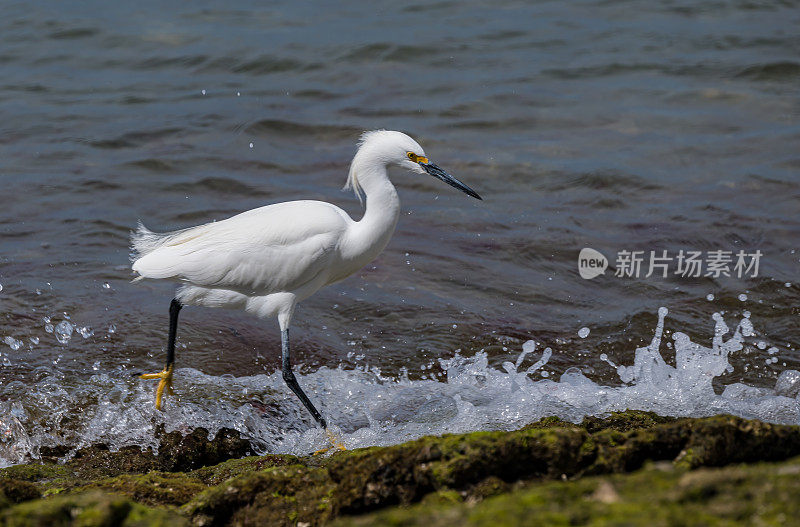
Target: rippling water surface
[[615, 125]]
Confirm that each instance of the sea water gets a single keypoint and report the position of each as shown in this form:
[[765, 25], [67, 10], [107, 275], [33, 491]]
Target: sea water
[[369, 408]]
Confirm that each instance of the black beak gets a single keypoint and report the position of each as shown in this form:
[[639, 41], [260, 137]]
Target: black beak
[[438, 173]]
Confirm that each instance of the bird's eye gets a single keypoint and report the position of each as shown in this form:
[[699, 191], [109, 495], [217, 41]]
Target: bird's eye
[[412, 156]]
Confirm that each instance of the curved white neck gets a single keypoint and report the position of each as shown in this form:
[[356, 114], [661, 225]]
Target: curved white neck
[[383, 205]]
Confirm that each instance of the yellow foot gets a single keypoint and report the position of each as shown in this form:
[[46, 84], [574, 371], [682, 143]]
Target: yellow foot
[[335, 443], [164, 382]]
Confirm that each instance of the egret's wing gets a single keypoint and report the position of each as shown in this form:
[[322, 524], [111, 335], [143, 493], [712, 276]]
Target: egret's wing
[[265, 250]]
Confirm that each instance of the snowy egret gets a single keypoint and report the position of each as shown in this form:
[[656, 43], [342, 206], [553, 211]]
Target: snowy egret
[[268, 259]]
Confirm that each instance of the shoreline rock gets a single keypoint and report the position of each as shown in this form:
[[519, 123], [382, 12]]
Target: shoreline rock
[[196, 481]]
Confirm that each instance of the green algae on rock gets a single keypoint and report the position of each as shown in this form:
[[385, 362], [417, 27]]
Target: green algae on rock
[[214, 475], [760, 494], [16, 491], [88, 509], [438, 471], [275, 496], [153, 488]]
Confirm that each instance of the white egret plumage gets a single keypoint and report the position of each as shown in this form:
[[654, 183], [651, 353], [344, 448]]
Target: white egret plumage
[[268, 259]]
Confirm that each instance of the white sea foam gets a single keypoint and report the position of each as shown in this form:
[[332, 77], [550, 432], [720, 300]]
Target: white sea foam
[[369, 408]]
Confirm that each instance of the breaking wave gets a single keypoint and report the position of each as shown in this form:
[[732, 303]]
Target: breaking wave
[[370, 409]]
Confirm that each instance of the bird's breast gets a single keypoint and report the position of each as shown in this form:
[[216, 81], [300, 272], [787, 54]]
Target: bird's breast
[[360, 246]]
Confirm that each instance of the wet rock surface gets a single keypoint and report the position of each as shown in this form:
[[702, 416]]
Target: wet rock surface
[[176, 453], [657, 495], [196, 480]]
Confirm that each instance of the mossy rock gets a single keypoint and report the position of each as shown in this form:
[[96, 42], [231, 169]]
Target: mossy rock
[[16, 491], [624, 421], [176, 453], [88, 510], [711, 441], [275, 496], [760, 494], [443, 497], [216, 474], [491, 486], [377, 477], [153, 488], [180, 453], [473, 468], [35, 472]]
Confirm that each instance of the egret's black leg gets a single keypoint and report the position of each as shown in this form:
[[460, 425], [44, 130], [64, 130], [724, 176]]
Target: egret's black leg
[[291, 381], [165, 377], [174, 308]]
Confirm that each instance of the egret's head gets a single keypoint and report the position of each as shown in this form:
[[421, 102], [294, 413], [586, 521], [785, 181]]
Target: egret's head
[[396, 148]]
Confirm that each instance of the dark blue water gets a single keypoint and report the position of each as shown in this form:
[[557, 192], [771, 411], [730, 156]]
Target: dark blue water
[[615, 125]]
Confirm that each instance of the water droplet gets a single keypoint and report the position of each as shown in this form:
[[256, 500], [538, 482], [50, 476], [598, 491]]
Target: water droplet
[[203, 92], [238, 94], [34, 340], [13, 343], [106, 285], [787, 284], [48, 328], [709, 297], [1, 287], [85, 331], [96, 366], [455, 326], [251, 145], [583, 332], [742, 297], [112, 328], [63, 331]]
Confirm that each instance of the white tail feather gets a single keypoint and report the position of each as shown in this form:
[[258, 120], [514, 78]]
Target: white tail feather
[[144, 241]]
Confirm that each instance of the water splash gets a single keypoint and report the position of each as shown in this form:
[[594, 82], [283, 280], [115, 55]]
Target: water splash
[[372, 409], [13, 343], [63, 331]]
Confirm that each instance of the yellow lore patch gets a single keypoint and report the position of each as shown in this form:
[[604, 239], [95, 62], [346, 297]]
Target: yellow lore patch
[[415, 158]]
